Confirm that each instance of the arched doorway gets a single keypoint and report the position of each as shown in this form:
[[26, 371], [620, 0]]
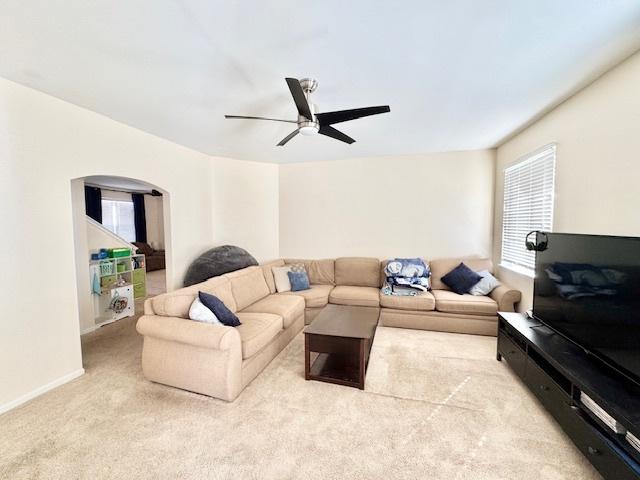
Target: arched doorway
[[119, 212]]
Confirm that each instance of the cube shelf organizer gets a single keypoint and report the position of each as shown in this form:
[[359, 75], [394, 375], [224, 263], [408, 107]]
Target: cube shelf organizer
[[123, 279]]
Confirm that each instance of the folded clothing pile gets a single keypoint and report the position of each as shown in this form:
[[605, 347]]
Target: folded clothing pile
[[406, 276]]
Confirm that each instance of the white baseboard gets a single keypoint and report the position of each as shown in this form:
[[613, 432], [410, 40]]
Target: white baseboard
[[40, 390], [98, 325], [89, 329]]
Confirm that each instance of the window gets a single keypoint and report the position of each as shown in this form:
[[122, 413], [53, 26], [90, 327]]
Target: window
[[528, 205], [117, 216]]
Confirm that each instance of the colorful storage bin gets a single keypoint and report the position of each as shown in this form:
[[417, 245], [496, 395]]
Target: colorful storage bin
[[119, 252]]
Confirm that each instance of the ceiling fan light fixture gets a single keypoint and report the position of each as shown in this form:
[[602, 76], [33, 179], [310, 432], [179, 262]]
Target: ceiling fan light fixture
[[309, 130]]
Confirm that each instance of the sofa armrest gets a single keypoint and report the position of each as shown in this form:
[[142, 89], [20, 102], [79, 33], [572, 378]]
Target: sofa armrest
[[506, 298], [188, 332], [148, 307]]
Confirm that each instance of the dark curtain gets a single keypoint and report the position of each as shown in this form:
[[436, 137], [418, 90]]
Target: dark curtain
[[93, 203], [139, 217]]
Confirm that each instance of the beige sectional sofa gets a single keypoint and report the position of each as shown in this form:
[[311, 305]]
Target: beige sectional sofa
[[221, 361]]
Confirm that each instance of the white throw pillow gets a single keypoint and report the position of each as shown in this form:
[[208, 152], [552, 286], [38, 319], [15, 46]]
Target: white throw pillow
[[200, 313], [486, 285], [281, 278]]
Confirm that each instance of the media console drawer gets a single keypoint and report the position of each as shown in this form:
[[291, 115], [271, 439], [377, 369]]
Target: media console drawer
[[513, 354], [551, 395], [594, 446]]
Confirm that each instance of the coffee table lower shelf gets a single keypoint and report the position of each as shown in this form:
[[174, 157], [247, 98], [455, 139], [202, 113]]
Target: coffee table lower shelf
[[335, 368], [337, 360]]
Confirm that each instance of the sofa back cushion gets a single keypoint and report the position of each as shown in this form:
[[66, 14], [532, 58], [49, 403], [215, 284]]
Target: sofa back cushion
[[268, 273], [357, 271], [321, 272], [178, 302], [248, 286], [439, 268]]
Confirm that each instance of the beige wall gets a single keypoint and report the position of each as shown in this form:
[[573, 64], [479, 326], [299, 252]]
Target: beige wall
[[44, 144], [154, 216], [245, 206], [598, 160], [432, 205]]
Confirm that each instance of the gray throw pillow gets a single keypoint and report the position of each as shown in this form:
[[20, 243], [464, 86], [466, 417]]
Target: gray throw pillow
[[486, 285]]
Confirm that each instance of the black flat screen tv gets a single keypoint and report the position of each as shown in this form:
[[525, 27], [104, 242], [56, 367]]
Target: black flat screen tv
[[587, 288]]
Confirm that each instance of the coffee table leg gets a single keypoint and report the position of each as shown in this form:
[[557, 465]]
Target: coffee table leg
[[307, 358]]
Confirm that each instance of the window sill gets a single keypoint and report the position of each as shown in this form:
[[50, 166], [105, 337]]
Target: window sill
[[525, 272]]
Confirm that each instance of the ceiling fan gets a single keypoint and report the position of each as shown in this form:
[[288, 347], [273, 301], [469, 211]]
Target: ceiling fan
[[312, 122]]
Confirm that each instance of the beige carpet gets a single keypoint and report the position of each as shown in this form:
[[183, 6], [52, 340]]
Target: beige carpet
[[437, 406], [156, 283]]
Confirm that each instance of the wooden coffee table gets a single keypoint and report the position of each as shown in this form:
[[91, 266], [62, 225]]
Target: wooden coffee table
[[337, 344]]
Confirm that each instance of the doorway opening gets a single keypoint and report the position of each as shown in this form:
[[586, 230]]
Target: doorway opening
[[122, 247]]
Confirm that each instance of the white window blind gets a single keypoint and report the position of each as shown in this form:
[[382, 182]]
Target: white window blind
[[117, 216], [528, 204]]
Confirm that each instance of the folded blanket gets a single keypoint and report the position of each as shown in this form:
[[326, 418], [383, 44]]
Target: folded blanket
[[412, 274], [407, 267]]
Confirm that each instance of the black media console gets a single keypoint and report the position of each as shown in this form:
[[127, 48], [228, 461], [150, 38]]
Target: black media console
[[557, 371]]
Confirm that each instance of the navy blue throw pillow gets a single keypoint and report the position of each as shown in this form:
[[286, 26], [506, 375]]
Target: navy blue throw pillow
[[219, 309], [298, 280], [460, 279]]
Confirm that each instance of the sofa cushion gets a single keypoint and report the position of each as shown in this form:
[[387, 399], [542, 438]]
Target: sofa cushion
[[248, 286], [199, 312], [450, 302], [268, 274], [423, 302], [299, 281], [358, 271], [281, 278], [219, 309], [321, 272], [257, 330], [461, 279], [178, 302], [286, 306], [439, 268], [357, 296], [316, 296], [486, 285]]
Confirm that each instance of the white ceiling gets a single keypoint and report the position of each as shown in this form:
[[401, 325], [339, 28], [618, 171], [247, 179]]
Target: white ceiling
[[460, 74]]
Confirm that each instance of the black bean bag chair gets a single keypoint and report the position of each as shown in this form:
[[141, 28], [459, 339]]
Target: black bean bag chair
[[216, 262]]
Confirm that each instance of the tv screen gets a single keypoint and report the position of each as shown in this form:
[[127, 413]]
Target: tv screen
[[587, 288]]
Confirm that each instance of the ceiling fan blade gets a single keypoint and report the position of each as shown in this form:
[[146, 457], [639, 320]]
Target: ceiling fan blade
[[299, 97], [242, 117], [287, 138], [337, 134], [329, 118]]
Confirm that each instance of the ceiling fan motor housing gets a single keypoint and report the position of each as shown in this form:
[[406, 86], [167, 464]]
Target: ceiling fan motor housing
[[306, 126], [309, 85]]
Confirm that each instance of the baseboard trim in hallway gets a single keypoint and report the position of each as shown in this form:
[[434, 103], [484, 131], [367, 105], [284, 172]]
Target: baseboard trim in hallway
[[40, 390]]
